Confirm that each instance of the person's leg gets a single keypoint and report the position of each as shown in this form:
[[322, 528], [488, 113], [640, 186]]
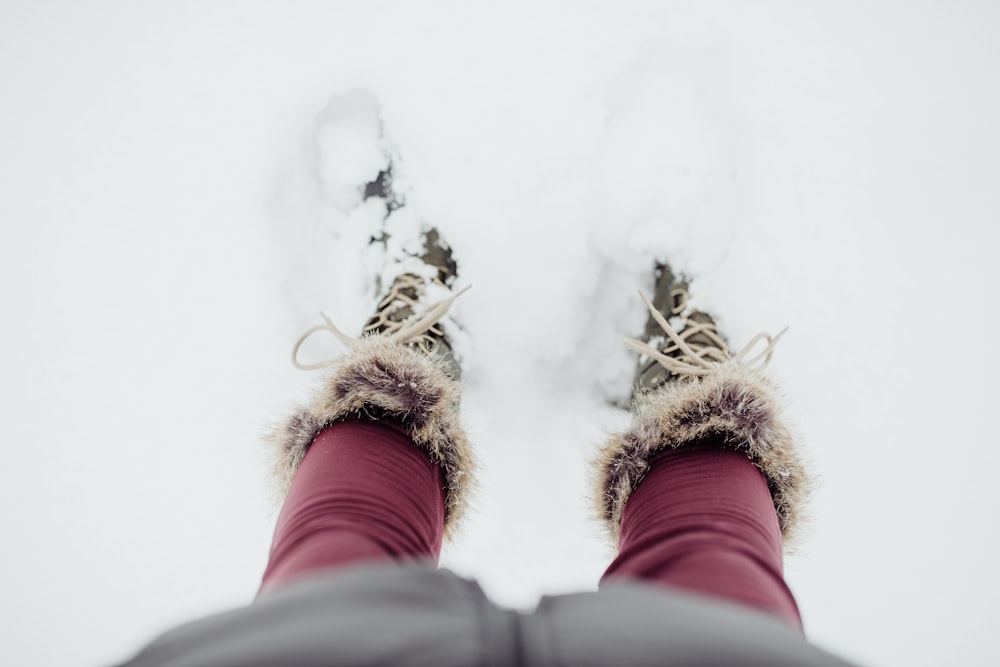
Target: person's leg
[[702, 519], [364, 492], [703, 486], [377, 465]]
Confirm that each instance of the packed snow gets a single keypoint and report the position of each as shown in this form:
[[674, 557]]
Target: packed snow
[[176, 192]]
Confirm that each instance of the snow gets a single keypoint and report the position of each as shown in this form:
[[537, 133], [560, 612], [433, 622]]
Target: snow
[[173, 222], [349, 147]]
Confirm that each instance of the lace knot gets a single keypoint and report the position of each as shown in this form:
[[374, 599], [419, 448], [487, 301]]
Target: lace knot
[[697, 347], [407, 331]]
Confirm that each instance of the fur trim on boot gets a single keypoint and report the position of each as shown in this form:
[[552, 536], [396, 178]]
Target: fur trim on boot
[[733, 401], [382, 379]]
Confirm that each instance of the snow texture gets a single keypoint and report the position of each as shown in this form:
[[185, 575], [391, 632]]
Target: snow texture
[[178, 208]]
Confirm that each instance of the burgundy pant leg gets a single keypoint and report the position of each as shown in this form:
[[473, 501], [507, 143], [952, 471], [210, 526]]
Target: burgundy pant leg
[[364, 492], [702, 519]]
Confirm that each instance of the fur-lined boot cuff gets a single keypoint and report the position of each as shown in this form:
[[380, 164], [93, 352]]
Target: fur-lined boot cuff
[[735, 403], [382, 379]]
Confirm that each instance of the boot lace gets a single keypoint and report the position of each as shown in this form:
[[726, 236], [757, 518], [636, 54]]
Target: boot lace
[[692, 358], [409, 331]]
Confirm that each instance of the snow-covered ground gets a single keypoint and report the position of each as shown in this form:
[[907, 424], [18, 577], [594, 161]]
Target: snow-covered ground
[[168, 232]]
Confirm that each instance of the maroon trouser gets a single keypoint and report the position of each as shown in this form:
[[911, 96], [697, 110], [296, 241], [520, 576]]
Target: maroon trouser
[[701, 520]]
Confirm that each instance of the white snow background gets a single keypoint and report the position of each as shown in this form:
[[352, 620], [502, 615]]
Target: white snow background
[[833, 167]]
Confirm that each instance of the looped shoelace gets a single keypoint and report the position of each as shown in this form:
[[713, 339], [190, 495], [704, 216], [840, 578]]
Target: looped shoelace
[[397, 299], [696, 360], [408, 331]]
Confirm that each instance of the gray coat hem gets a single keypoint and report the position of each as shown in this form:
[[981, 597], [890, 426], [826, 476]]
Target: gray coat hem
[[415, 615]]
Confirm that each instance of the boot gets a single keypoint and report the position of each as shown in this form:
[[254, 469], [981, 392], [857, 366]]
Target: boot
[[689, 388], [397, 310], [696, 329]]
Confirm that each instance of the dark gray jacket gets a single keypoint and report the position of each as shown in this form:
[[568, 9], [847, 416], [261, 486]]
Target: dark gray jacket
[[415, 615]]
